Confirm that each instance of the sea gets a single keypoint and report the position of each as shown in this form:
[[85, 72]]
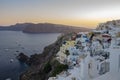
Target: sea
[[14, 42]]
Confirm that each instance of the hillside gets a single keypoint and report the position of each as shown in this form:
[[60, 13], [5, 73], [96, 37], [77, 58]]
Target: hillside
[[68, 61]]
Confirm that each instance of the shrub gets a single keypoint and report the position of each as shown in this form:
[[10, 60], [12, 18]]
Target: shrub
[[59, 68], [47, 67]]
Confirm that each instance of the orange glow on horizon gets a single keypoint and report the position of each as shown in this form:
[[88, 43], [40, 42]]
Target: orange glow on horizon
[[88, 23], [71, 22]]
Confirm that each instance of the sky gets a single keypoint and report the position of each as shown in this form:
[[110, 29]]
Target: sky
[[83, 13]]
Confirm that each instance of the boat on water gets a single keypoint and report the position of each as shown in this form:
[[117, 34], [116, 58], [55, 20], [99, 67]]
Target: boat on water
[[11, 60], [8, 79]]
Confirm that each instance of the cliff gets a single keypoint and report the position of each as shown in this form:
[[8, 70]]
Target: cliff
[[42, 66]]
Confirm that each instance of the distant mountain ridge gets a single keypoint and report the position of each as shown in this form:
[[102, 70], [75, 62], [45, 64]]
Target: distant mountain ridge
[[43, 28], [16, 27]]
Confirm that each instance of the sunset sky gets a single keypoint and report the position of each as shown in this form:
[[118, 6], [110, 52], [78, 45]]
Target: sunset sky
[[83, 13]]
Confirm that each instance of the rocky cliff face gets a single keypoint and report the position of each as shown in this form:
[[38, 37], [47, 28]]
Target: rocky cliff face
[[44, 65]]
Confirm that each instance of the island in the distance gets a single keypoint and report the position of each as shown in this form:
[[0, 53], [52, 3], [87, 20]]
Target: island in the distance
[[43, 28]]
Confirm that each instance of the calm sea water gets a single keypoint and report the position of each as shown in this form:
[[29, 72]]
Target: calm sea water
[[14, 42]]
